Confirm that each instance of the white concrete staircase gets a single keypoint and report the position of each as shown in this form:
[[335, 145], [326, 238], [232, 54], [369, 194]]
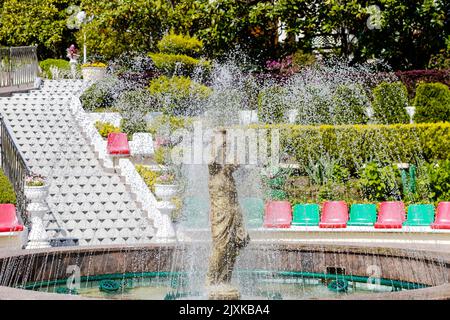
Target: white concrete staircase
[[87, 200]]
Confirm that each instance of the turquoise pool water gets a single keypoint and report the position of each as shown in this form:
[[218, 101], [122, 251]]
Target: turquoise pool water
[[253, 285]]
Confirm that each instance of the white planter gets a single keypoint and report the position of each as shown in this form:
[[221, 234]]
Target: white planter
[[411, 111], [36, 209], [93, 73], [369, 112], [292, 115], [166, 207], [166, 191], [36, 194], [166, 231]]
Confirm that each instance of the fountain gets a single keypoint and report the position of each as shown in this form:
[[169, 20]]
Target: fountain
[[237, 268], [227, 226]]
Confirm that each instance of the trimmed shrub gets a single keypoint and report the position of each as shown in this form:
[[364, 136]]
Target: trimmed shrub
[[314, 107], [134, 105], [177, 95], [412, 78], [7, 194], [354, 145], [180, 44], [350, 105], [131, 126], [440, 60], [389, 102], [48, 64], [271, 107], [177, 63], [168, 123], [432, 102], [134, 101], [105, 128], [101, 94]]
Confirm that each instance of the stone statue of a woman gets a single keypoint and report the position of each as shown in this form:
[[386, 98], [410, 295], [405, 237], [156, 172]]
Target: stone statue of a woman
[[227, 228]]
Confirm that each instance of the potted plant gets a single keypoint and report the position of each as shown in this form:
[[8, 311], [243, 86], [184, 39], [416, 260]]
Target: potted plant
[[36, 188], [93, 71], [165, 187], [36, 192]]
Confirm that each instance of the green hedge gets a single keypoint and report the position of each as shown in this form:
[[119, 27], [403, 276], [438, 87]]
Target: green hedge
[[271, 107], [432, 102], [177, 95], [169, 63], [389, 102], [58, 63], [350, 104], [355, 145], [7, 194], [180, 44]]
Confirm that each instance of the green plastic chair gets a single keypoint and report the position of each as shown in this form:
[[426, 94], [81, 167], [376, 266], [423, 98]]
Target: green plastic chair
[[362, 214], [420, 215], [306, 215], [253, 210], [195, 212]]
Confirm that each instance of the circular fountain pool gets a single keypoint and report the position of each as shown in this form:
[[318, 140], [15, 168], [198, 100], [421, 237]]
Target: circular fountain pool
[[263, 271], [276, 285]]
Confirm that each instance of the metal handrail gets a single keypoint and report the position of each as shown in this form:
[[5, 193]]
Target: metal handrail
[[18, 69], [14, 167]]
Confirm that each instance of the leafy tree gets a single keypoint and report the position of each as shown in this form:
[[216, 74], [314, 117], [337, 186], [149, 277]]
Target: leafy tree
[[406, 34], [138, 25], [36, 22], [125, 26]]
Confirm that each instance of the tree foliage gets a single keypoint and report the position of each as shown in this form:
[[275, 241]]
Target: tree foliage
[[403, 33], [36, 22]]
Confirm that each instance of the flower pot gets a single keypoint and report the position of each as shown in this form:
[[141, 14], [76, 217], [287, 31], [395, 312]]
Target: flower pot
[[36, 194], [166, 191], [93, 73], [36, 209]]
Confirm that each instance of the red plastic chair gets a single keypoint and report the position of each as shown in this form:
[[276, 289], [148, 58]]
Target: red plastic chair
[[442, 220], [118, 144], [278, 214], [334, 215], [8, 219], [391, 215]]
